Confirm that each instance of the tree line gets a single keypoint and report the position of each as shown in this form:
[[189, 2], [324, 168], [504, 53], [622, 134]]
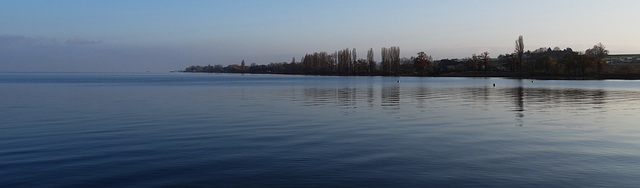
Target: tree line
[[341, 62], [346, 62], [556, 61]]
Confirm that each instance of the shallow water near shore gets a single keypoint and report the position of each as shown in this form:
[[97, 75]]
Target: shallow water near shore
[[233, 130]]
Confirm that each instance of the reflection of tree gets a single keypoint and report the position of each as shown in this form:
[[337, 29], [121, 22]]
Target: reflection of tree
[[318, 96], [346, 97], [370, 96], [598, 97], [422, 94], [540, 104], [342, 97], [391, 97], [479, 95], [542, 99], [517, 93], [519, 99]]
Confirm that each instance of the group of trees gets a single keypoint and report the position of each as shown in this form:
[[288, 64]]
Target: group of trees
[[556, 61], [341, 62], [390, 59], [346, 62], [480, 62]]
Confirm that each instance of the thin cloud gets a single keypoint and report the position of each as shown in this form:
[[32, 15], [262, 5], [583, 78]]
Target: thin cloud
[[78, 41], [13, 40]]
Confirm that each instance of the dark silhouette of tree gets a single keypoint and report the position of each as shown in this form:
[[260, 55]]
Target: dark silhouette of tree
[[484, 56], [519, 51], [361, 66], [545, 63], [583, 62], [507, 61], [344, 61], [334, 63], [354, 60], [331, 63], [391, 59], [422, 63], [598, 52], [473, 63], [386, 61], [242, 66], [317, 63], [407, 66], [395, 55], [569, 63], [307, 63], [372, 64]]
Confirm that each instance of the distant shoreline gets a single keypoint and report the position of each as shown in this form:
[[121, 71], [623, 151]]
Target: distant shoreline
[[484, 74]]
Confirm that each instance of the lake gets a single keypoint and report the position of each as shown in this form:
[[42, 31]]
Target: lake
[[233, 130]]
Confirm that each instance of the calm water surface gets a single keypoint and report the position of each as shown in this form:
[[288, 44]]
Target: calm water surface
[[221, 130]]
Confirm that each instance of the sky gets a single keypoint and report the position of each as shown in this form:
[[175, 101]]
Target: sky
[[165, 35]]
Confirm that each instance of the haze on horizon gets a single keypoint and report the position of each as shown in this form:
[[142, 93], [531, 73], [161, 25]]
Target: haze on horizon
[[163, 35]]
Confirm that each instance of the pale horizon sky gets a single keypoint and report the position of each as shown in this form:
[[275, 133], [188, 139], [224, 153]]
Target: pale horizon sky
[[164, 35]]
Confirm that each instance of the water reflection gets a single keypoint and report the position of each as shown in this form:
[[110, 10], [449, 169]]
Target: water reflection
[[347, 97], [390, 97], [318, 96], [517, 93], [525, 104], [422, 95], [583, 102], [370, 95]]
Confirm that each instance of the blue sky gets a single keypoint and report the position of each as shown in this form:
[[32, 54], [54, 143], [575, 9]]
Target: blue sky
[[163, 35]]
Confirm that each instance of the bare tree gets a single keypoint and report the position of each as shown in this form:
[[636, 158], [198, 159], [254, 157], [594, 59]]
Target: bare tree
[[354, 58], [372, 64], [336, 61], [486, 59], [386, 64], [473, 62], [344, 61], [519, 51], [395, 58]]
